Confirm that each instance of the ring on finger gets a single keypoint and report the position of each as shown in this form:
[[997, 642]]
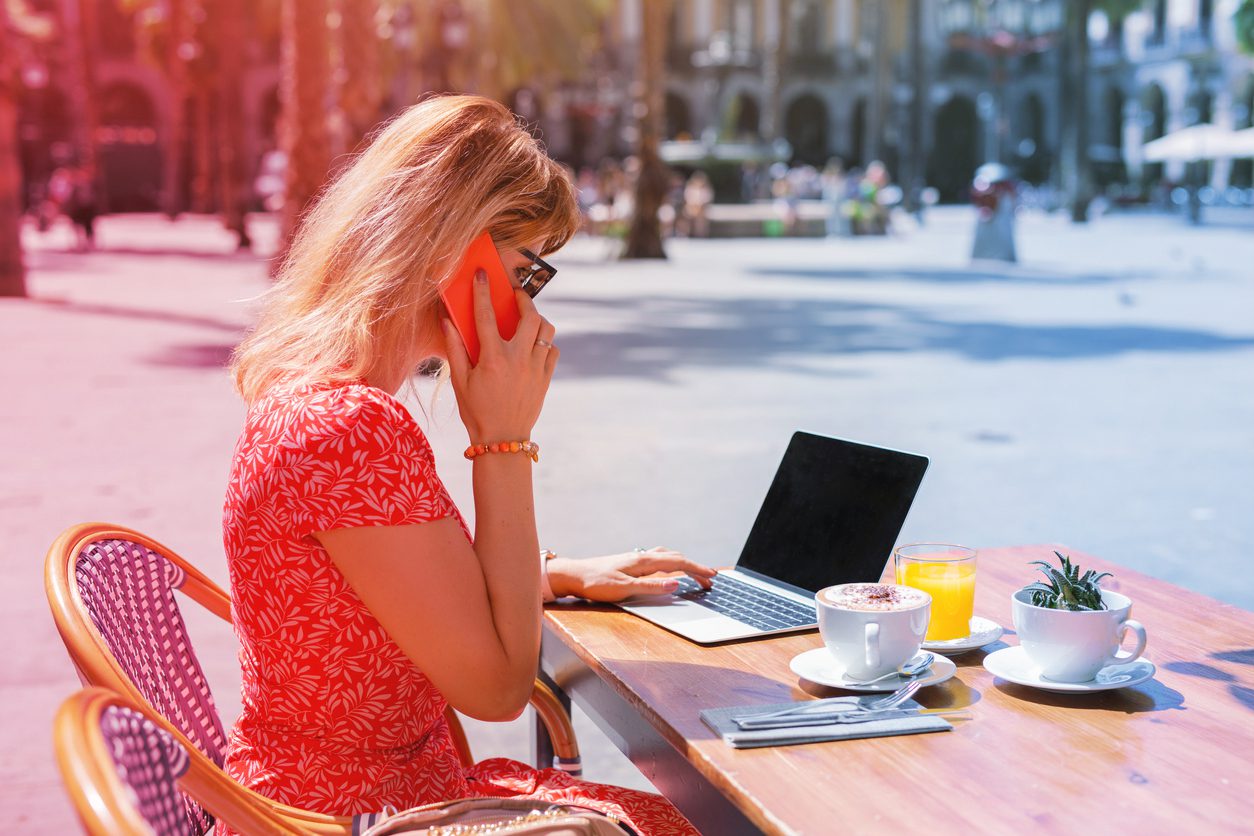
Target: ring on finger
[[543, 344]]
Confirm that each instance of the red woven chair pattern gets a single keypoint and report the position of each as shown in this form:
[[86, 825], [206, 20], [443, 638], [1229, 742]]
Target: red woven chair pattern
[[148, 761], [126, 769], [128, 591]]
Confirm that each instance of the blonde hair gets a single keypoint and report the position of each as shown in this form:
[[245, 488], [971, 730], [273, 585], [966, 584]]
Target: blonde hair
[[359, 288]]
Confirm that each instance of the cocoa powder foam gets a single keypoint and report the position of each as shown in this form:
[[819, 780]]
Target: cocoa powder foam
[[873, 596]]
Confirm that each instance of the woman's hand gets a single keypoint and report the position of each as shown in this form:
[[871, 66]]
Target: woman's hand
[[618, 576], [500, 398]]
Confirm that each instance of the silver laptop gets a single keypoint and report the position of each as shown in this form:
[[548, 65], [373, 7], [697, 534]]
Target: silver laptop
[[831, 516]]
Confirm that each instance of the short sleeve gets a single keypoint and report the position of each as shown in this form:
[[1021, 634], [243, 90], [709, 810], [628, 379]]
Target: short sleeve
[[356, 458]]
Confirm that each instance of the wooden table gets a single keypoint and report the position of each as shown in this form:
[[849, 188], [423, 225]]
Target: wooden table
[[1175, 754]]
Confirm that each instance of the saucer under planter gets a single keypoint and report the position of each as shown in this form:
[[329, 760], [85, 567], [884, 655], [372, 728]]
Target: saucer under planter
[[1013, 665]]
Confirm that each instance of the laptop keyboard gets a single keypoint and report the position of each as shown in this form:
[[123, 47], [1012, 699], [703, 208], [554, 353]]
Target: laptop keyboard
[[747, 603]]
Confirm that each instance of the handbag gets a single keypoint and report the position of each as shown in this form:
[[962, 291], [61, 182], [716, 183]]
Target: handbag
[[504, 816]]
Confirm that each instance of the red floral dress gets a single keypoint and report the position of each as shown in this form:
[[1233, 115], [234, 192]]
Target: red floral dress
[[335, 717]]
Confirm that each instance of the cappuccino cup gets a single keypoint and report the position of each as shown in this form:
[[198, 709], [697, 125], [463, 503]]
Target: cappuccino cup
[[872, 629], [1073, 646]]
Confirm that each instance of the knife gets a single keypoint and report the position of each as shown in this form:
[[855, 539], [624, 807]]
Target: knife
[[817, 718]]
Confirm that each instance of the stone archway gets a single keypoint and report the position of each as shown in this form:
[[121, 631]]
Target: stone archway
[[744, 117], [678, 124], [271, 111], [1109, 165], [1032, 150], [129, 155], [45, 133], [805, 128], [857, 129], [956, 151], [1154, 125], [1241, 174]]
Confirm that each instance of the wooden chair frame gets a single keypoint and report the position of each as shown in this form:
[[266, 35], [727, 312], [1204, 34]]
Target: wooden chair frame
[[99, 796], [96, 665]]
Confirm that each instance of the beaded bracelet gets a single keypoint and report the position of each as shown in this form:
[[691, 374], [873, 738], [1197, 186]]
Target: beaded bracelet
[[530, 448]]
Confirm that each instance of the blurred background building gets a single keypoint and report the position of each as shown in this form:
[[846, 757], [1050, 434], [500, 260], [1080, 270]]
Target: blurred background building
[[932, 88]]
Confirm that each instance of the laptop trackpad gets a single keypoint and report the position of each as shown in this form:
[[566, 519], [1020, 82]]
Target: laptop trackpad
[[676, 611]]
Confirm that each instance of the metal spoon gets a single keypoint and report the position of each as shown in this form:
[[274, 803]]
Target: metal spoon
[[914, 667]]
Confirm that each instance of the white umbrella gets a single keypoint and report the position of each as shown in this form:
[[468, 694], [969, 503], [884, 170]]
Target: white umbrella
[[1239, 144], [1196, 142]]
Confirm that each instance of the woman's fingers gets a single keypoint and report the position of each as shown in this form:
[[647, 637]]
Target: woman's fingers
[[550, 364], [485, 317], [530, 323], [455, 350], [645, 586], [667, 560], [547, 331]]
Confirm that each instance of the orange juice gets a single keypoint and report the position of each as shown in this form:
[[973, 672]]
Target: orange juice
[[952, 587]]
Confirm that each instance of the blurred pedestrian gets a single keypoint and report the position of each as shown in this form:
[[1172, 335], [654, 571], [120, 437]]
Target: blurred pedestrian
[[270, 185], [751, 176], [82, 208], [588, 195], [60, 187], [671, 212], [872, 216], [833, 192], [786, 199], [698, 195], [601, 210]]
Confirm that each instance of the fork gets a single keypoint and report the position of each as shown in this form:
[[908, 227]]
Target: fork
[[894, 699]]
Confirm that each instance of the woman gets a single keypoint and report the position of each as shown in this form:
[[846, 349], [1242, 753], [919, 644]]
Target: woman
[[362, 605]]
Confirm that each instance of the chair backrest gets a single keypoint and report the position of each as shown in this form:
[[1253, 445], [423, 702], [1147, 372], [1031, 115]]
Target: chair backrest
[[127, 775], [134, 638], [119, 768], [148, 761], [127, 590], [111, 591]]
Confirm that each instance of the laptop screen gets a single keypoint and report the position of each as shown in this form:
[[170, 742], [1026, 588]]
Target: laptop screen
[[833, 512]]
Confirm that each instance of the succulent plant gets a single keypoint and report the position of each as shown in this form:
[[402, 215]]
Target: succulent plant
[[1067, 589]]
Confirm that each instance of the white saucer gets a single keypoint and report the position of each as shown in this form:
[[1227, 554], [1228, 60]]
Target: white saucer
[[819, 667], [983, 631], [1012, 664]]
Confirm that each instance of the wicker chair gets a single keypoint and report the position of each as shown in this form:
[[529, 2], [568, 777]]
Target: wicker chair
[[111, 590], [126, 774]]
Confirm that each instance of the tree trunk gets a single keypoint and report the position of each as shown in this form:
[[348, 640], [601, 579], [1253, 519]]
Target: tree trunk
[[12, 269], [1077, 170], [774, 71], [361, 90], [226, 27], [203, 159], [304, 87], [176, 75], [911, 165], [644, 235]]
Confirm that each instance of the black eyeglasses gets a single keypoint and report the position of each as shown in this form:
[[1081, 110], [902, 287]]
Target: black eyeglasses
[[535, 276]]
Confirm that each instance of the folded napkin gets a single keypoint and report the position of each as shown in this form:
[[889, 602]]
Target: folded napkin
[[723, 721]]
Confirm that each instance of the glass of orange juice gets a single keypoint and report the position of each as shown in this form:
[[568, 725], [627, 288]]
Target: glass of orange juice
[[947, 573]]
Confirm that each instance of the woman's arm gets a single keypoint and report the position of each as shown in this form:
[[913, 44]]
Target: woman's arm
[[469, 617], [433, 594]]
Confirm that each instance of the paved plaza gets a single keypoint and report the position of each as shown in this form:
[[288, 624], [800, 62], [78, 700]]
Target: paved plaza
[[1100, 394]]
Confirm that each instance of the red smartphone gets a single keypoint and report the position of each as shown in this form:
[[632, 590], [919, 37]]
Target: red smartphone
[[459, 300]]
